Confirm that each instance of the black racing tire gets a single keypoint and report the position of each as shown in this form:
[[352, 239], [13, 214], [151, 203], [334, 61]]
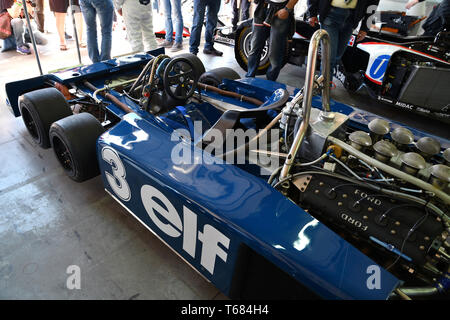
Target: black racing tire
[[74, 141], [214, 77], [351, 83], [196, 62], [39, 109], [242, 47]]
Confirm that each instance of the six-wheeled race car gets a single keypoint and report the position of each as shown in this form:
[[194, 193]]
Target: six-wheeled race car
[[409, 72], [267, 191]]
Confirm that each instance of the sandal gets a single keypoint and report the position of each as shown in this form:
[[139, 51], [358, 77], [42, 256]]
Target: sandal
[[82, 45], [62, 47]]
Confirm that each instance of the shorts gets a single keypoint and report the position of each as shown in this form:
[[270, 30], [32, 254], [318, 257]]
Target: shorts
[[62, 5]]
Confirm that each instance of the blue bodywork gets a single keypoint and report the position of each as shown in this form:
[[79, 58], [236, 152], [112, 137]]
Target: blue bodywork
[[207, 212]]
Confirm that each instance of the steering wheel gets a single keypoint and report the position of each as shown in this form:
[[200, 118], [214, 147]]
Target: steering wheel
[[180, 79]]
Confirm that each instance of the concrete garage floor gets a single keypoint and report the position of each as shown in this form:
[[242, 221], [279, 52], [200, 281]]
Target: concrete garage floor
[[48, 222]]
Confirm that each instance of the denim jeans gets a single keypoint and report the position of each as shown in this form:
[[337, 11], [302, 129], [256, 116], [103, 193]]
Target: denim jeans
[[105, 10], [173, 7], [18, 31], [277, 34], [211, 22], [241, 13], [339, 25]]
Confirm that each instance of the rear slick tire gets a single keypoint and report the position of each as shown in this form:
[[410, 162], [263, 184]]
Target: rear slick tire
[[39, 109]]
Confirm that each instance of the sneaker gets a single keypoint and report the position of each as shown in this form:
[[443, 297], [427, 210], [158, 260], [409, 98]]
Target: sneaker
[[213, 51], [23, 50], [176, 47], [167, 44]]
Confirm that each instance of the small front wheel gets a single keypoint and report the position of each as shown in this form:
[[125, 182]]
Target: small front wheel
[[74, 141]]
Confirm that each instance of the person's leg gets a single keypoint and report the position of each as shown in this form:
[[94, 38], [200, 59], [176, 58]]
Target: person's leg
[[167, 7], [260, 33], [90, 14], [105, 11], [39, 37], [244, 10], [332, 24], [211, 22], [197, 24], [344, 36], [39, 16], [60, 20], [131, 13], [146, 21], [79, 23], [18, 31], [178, 19], [277, 50], [236, 15]]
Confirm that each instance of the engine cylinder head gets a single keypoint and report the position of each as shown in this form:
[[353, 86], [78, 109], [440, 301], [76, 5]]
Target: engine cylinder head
[[384, 150], [440, 176], [378, 128], [412, 162], [446, 156], [428, 147], [360, 140], [402, 136]]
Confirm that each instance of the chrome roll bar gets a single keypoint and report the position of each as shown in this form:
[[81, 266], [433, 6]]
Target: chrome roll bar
[[319, 37]]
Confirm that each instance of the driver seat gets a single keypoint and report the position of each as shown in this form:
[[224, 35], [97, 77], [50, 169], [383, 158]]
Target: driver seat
[[230, 118]]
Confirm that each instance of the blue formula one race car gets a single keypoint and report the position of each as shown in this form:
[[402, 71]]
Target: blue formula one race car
[[261, 193]]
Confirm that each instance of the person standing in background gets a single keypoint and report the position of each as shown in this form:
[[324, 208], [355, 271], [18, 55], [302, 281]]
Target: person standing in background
[[18, 24], [104, 9], [339, 18], [211, 22], [240, 11], [272, 20], [138, 18], [59, 8], [173, 7], [78, 22], [39, 16], [14, 9]]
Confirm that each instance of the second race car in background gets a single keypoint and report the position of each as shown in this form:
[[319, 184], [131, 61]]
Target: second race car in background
[[409, 72]]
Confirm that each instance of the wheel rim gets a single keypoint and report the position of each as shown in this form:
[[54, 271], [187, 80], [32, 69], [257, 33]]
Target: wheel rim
[[246, 47], [62, 154], [30, 124]]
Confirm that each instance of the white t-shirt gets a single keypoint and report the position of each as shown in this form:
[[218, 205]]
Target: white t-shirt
[[350, 4]]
